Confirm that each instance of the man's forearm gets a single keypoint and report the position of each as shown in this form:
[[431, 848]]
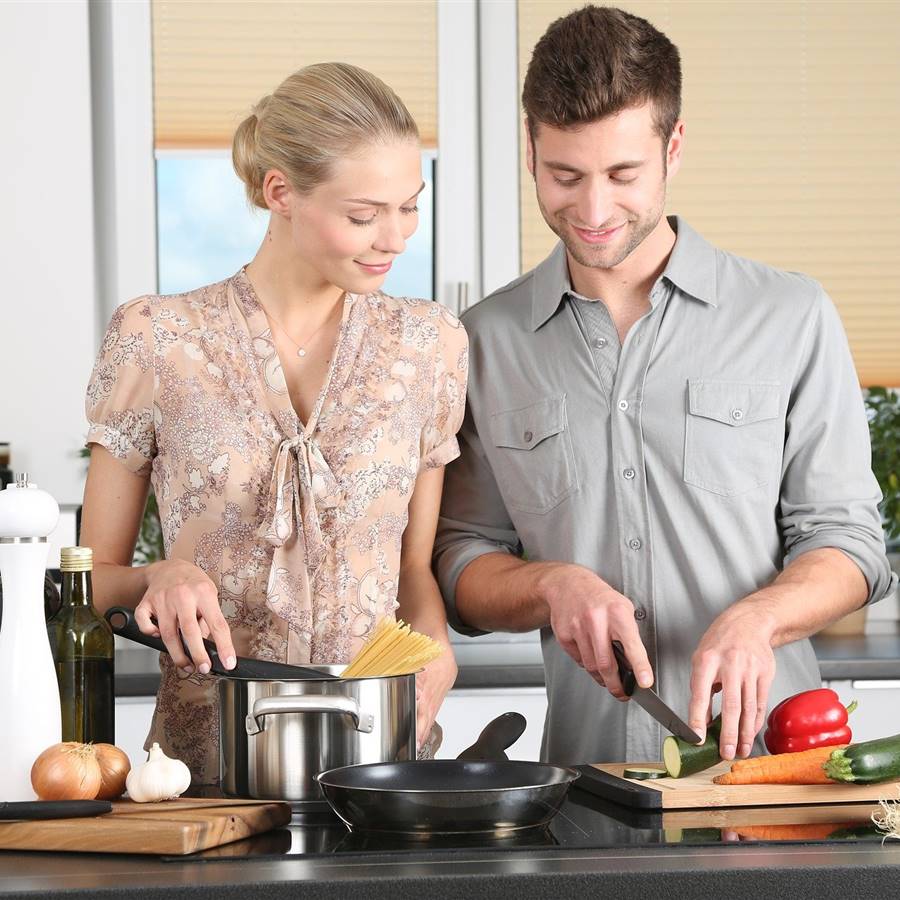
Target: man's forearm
[[816, 589], [500, 592]]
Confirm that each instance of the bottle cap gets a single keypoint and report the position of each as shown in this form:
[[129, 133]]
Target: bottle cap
[[76, 559]]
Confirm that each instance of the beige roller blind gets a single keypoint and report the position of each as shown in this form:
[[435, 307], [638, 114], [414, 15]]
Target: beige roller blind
[[213, 60], [792, 153]]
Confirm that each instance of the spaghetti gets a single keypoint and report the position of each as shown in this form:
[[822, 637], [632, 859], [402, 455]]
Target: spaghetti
[[393, 649]]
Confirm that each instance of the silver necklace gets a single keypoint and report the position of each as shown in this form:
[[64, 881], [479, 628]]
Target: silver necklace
[[301, 348]]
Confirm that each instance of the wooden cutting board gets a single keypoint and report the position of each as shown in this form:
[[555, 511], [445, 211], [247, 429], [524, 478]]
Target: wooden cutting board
[[699, 792], [174, 827]]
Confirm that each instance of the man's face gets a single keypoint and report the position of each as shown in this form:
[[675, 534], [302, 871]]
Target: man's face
[[602, 187]]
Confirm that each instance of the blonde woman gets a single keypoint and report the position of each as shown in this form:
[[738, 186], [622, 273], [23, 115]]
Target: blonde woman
[[293, 420]]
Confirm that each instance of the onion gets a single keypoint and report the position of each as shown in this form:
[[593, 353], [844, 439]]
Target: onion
[[114, 768], [67, 771]]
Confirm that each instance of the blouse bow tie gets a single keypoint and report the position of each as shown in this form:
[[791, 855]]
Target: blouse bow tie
[[302, 484]]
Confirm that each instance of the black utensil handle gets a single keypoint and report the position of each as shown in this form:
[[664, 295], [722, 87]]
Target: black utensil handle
[[123, 623], [626, 676], [54, 809], [497, 735]]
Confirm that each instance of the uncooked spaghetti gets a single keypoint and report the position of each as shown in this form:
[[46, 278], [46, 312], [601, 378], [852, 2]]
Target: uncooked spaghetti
[[393, 649]]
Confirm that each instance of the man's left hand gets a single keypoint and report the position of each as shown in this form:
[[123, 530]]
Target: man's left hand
[[432, 685], [734, 656]]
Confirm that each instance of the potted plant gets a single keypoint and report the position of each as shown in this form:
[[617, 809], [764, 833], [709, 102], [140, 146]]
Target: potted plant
[[883, 408]]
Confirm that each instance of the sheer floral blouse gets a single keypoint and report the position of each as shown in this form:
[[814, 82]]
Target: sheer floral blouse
[[299, 527]]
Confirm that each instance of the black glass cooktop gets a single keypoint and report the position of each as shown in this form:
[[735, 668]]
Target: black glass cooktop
[[583, 822]]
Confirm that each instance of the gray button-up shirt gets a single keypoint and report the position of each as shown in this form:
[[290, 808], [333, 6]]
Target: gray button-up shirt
[[687, 467]]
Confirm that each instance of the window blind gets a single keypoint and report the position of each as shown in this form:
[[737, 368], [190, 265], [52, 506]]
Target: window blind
[[791, 157], [213, 60]]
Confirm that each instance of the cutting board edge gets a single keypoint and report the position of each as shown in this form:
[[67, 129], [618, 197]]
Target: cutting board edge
[[184, 837]]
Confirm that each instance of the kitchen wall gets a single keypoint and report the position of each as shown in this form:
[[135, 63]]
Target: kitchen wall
[[48, 287]]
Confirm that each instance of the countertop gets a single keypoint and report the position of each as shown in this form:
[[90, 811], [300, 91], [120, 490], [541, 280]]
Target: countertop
[[516, 660], [643, 873]]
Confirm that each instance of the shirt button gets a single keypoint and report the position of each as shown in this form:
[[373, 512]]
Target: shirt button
[[599, 343], [737, 414], [528, 436], [640, 614], [628, 473], [623, 405], [635, 544]]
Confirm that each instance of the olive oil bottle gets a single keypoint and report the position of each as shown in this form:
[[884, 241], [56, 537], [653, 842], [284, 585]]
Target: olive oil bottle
[[83, 651]]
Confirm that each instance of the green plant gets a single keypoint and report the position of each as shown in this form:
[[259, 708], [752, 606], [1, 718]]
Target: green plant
[[149, 545], [883, 409]]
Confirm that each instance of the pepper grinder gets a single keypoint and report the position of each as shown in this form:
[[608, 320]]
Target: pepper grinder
[[30, 718]]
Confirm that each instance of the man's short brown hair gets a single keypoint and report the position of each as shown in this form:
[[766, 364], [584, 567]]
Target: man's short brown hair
[[598, 61]]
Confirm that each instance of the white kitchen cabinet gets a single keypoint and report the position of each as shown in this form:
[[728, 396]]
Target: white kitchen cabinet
[[878, 712], [133, 715], [467, 710]]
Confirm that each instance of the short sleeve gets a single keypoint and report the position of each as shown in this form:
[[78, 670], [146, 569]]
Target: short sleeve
[[451, 369], [120, 394]]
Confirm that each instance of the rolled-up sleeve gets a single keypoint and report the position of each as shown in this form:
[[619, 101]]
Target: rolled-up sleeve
[[829, 496], [473, 520]]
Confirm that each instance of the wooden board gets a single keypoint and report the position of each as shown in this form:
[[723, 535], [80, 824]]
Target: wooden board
[[699, 792], [174, 827]]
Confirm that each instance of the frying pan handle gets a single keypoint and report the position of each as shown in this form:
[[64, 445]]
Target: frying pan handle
[[497, 736], [273, 706]]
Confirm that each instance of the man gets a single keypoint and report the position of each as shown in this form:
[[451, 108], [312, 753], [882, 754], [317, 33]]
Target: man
[[665, 444]]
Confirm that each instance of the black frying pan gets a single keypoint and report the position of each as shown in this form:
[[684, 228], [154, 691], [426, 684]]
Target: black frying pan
[[122, 622], [481, 791]]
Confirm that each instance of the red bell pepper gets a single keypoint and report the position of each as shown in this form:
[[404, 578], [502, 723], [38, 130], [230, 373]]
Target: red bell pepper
[[807, 720]]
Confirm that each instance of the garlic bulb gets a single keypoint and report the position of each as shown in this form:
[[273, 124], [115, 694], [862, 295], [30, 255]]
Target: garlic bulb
[[160, 778]]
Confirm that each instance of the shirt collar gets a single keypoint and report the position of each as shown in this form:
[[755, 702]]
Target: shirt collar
[[691, 268]]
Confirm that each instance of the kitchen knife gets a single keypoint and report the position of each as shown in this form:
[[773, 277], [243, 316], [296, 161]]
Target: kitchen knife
[[649, 700], [54, 809], [122, 622]]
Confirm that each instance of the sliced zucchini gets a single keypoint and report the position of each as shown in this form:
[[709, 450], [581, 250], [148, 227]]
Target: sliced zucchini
[[643, 773], [682, 759]]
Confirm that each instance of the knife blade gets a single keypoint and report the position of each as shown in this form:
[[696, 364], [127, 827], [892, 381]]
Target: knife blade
[[650, 701]]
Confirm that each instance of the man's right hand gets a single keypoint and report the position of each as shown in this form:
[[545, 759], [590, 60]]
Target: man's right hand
[[182, 597], [586, 616]]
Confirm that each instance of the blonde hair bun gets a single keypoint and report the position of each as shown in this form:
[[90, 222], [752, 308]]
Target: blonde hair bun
[[320, 114]]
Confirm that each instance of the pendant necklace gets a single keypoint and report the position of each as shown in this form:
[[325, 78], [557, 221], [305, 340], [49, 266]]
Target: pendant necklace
[[301, 348]]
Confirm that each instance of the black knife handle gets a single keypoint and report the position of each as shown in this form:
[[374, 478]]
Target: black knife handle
[[54, 809], [626, 676]]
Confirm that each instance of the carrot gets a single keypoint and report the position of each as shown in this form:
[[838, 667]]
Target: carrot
[[754, 762], [805, 767], [804, 832]]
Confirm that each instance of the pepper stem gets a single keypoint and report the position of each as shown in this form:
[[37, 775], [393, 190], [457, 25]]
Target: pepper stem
[[851, 707]]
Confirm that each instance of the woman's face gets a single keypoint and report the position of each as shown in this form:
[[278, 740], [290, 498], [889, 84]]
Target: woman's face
[[350, 229]]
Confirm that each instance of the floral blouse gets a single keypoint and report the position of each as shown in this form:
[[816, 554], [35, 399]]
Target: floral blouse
[[299, 527]]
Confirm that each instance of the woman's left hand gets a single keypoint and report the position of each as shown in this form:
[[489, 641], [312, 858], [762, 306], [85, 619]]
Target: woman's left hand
[[432, 685]]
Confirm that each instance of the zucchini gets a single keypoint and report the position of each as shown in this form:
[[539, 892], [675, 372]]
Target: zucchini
[[866, 763], [682, 759], [644, 773]]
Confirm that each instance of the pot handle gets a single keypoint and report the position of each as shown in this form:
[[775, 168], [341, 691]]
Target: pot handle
[[272, 706]]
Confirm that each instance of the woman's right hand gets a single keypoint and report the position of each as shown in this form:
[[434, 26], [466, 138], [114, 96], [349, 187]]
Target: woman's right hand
[[181, 597]]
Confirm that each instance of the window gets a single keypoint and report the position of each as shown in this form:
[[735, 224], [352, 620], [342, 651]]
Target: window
[[212, 60]]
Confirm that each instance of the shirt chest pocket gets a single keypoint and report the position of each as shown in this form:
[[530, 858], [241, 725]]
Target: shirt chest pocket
[[731, 435], [535, 466]]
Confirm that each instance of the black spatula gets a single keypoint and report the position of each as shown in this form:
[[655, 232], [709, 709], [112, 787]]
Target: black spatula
[[122, 622]]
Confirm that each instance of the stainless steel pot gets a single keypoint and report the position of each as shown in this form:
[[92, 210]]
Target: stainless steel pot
[[276, 736]]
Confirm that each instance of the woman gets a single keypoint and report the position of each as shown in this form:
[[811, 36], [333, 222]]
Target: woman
[[294, 421]]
